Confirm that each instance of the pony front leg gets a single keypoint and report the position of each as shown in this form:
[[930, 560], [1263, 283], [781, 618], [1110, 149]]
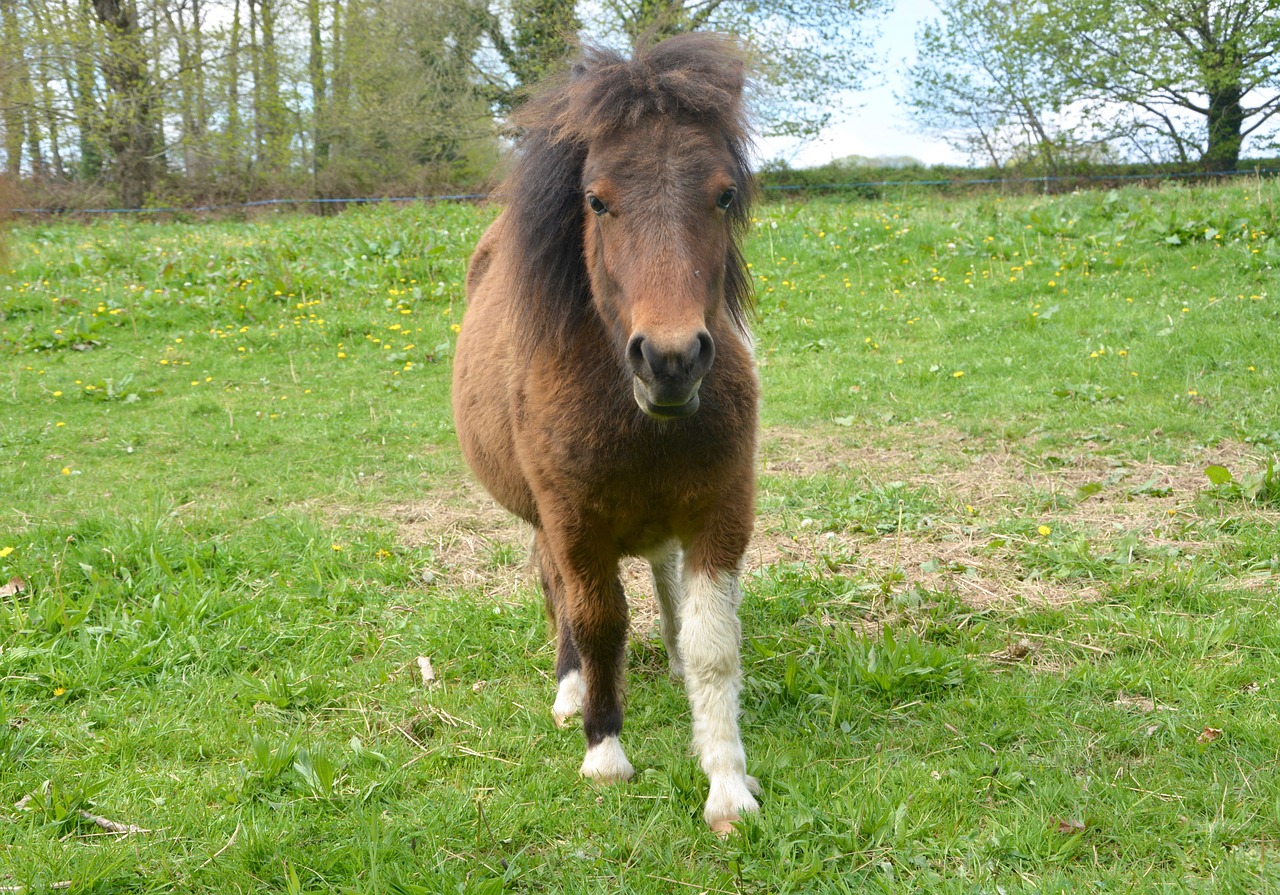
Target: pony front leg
[[570, 688], [710, 634], [598, 624]]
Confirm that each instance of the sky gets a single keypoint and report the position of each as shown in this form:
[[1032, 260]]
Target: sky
[[870, 121]]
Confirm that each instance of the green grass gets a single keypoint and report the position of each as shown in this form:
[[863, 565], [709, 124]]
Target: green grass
[[1002, 631]]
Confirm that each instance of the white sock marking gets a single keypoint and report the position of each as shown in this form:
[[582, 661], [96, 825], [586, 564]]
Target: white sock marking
[[569, 698], [606, 762], [709, 645]]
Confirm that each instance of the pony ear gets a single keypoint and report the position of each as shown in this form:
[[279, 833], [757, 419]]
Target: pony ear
[[735, 77]]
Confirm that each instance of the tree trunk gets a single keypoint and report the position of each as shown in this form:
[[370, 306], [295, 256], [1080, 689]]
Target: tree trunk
[[81, 82], [188, 74], [12, 82], [315, 68], [255, 72], [268, 112], [130, 126], [1226, 121], [35, 143], [201, 112], [340, 92], [234, 131]]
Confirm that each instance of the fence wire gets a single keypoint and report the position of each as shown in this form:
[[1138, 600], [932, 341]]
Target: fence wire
[[797, 187]]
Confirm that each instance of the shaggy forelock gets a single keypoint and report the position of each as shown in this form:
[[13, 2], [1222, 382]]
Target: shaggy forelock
[[694, 75]]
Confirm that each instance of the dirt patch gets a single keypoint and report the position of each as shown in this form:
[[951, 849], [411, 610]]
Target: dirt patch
[[955, 559], [476, 545], [787, 452]]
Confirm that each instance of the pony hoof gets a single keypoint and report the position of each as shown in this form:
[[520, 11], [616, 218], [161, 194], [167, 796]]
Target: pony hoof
[[605, 762], [723, 827], [728, 801], [569, 698], [676, 670]]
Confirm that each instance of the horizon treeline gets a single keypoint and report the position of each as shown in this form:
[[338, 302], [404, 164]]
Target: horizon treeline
[[146, 103]]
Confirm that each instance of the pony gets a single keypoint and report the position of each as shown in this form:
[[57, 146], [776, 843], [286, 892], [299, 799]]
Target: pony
[[604, 386]]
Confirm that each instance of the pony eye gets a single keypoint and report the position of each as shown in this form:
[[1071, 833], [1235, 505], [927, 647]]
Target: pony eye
[[726, 199], [596, 205]]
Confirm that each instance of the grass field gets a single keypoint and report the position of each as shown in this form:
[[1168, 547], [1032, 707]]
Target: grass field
[[1011, 614]]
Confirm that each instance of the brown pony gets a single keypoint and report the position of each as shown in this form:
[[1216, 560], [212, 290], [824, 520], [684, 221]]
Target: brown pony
[[604, 387]]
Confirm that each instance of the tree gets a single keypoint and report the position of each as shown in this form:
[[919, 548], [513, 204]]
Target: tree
[[1189, 77], [13, 87], [420, 109], [542, 35], [983, 89], [804, 50], [130, 117]]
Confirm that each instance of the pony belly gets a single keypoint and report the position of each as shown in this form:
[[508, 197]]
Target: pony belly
[[483, 410]]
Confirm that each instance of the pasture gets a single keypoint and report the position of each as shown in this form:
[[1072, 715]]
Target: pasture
[[259, 632]]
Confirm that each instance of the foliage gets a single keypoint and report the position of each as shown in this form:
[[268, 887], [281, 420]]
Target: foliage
[[542, 32], [1194, 79], [221, 97], [803, 51], [1186, 82], [979, 86]]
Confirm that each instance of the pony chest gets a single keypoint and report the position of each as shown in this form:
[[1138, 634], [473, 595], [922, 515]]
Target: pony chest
[[632, 464]]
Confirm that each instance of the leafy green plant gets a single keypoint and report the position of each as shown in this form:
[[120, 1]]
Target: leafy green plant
[[1262, 487], [899, 668]]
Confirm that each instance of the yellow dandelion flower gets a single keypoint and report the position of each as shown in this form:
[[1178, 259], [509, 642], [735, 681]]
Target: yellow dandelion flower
[[1045, 530]]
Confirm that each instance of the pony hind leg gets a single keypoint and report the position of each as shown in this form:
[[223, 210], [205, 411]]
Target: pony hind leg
[[710, 636], [664, 567], [570, 688]]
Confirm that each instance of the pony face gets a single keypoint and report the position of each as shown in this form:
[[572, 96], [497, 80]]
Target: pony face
[[658, 216], [627, 201]]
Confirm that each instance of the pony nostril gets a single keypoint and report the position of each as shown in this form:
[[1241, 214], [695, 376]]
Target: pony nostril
[[636, 354], [706, 353]]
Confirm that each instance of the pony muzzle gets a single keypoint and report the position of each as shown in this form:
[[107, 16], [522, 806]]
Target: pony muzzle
[[666, 375]]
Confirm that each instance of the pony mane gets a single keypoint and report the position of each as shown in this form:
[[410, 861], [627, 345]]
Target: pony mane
[[696, 77]]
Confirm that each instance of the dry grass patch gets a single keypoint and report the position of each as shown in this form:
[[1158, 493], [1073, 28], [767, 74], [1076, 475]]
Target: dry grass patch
[[476, 545]]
